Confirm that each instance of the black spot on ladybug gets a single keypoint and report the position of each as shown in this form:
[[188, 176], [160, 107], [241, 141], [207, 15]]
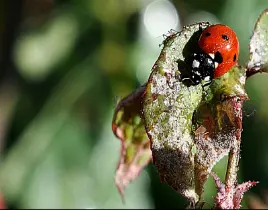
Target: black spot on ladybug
[[234, 59], [225, 37], [207, 34], [218, 57]]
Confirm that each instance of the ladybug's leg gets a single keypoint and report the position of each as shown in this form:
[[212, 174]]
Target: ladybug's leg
[[196, 76], [206, 84], [189, 79]]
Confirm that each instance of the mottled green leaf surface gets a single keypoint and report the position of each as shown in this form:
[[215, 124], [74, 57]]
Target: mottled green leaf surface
[[190, 128], [217, 122], [259, 45], [217, 130], [135, 145], [168, 109]]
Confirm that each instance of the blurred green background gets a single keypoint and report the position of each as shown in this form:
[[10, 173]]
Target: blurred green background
[[64, 66]]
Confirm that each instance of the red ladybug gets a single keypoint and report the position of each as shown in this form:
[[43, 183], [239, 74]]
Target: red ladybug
[[221, 43], [218, 52]]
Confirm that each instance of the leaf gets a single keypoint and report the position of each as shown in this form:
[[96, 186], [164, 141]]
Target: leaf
[[128, 126], [168, 109], [217, 123], [258, 46], [190, 129]]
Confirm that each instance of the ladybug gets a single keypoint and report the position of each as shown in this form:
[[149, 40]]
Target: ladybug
[[218, 52]]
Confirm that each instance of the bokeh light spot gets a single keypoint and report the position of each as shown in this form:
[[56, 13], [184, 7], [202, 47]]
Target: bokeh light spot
[[159, 17]]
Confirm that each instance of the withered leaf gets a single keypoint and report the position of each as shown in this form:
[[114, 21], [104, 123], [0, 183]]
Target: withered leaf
[[217, 123], [128, 126], [258, 46], [168, 109]]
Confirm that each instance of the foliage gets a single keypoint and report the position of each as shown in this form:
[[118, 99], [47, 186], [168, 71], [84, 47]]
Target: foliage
[[191, 127], [65, 63]]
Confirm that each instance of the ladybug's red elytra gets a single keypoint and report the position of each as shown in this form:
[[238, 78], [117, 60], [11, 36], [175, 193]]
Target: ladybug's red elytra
[[221, 43]]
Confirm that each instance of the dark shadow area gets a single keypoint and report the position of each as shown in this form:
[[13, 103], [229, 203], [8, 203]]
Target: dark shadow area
[[186, 65]]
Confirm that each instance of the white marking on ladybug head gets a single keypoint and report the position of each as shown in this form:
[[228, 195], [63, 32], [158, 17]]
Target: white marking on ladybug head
[[195, 64], [216, 64], [212, 55], [209, 61], [207, 78], [197, 73]]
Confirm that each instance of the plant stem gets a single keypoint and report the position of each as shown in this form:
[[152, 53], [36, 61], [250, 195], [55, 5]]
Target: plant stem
[[232, 167]]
